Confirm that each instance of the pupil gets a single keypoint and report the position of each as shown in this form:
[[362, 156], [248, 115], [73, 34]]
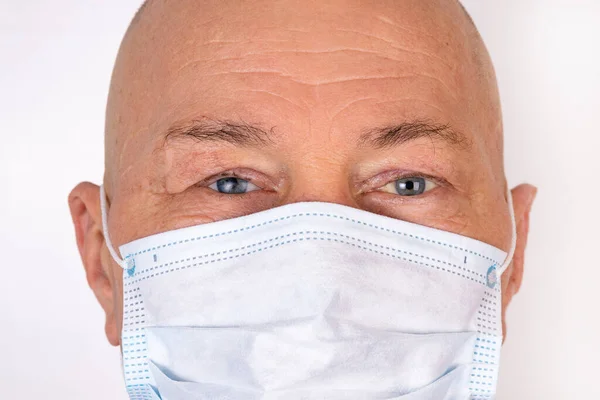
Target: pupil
[[409, 185]]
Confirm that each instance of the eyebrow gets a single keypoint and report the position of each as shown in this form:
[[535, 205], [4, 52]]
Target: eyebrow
[[395, 135], [215, 130], [246, 135]]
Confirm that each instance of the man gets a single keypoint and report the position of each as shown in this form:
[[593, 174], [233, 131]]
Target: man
[[222, 109]]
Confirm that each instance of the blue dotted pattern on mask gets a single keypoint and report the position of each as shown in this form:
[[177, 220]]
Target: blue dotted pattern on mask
[[135, 363], [327, 215], [301, 236], [486, 350]]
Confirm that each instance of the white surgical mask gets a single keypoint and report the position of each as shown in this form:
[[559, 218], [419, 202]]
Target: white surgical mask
[[311, 301]]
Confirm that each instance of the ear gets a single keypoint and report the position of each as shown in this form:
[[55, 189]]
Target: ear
[[523, 196], [84, 203]]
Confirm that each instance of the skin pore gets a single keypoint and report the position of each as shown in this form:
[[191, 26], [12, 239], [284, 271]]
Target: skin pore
[[333, 101]]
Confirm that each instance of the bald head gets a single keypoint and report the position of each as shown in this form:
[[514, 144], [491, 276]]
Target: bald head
[[138, 15], [392, 35]]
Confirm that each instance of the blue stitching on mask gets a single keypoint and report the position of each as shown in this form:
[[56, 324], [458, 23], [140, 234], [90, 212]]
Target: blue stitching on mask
[[486, 356], [141, 278], [486, 320], [481, 383], [133, 323], [137, 364], [485, 349], [491, 352], [486, 314], [139, 378], [132, 351], [127, 298], [135, 329], [483, 369], [134, 343], [303, 233], [133, 337], [315, 215], [493, 303], [132, 316], [134, 358], [136, 371], [488, 308], [486, 341], [482, 376]]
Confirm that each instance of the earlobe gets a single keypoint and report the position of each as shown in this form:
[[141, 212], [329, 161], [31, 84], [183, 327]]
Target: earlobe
[[84, 204], [523, 196]]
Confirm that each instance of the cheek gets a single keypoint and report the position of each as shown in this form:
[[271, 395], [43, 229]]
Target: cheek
[[201, 206], [440, 209]]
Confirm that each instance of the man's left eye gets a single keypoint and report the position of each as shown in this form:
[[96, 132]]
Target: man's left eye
[[410, 186], [233, 185]]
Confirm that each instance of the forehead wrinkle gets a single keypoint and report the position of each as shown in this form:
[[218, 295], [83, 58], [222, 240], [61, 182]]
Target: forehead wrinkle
[[263, 60], [377, 54], [345, 108], [411, 99], [336, 113], [303, 107], [336, 81], [303, 45], [398, 27], [399, 48], [249, 56]]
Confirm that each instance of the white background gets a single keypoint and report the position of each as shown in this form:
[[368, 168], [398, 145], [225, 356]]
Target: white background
[[55, 63]]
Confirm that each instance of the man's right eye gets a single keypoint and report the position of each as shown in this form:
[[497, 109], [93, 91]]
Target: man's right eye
[[233, 185]]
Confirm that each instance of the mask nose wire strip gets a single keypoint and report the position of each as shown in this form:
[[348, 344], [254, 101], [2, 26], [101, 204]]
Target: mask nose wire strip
[[513, 240], [104, 211]]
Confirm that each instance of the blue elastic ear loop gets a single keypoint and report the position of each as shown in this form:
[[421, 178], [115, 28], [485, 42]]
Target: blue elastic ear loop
[[111, 250]]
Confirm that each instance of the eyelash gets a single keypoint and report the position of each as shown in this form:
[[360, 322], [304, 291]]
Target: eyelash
[[368, 186], [206, 183], [381, 180]]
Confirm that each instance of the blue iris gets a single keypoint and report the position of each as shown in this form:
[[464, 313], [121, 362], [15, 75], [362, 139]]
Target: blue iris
[[232, 185], [410, 186]]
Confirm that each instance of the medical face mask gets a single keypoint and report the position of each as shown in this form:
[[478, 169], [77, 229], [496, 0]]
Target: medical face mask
[[312, 301]]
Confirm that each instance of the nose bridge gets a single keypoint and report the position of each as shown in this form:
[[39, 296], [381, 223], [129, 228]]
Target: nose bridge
[[319, 167], [320, 179], [337, 197]]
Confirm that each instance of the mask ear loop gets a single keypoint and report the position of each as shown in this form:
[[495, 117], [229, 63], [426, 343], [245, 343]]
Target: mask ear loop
[[104, 211], [513, 241]]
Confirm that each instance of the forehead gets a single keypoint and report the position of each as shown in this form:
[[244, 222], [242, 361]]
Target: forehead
[[311, 69]]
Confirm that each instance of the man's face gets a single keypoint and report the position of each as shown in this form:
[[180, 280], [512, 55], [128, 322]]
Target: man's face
[[344, 102]]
